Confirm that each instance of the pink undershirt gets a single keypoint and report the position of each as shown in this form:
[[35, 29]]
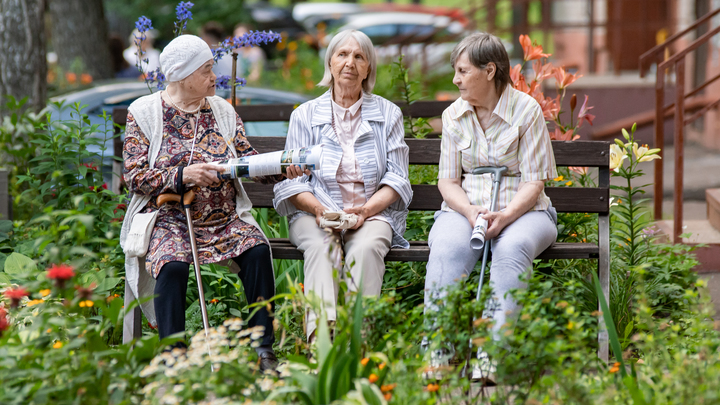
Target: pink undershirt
[[346, 122]]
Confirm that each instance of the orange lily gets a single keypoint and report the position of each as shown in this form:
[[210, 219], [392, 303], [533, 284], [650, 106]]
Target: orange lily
[[542, 70], [531, 52], [564, 78], [560, 135], [515, 73]]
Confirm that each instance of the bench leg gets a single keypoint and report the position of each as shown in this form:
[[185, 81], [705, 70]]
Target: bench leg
[[132, 327], [604, 277]]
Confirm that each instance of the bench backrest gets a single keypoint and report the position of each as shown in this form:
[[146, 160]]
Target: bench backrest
[[427, 152]]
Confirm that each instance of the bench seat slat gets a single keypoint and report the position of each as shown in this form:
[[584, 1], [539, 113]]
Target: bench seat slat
[[419, 251], [564, 199]]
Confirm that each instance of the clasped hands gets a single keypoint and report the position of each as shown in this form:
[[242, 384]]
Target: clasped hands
[[349, 218], [205, 174], [497, 220]]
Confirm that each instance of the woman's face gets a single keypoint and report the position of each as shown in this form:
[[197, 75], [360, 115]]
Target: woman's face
[[201, 83], [349, 65], [474, 83]]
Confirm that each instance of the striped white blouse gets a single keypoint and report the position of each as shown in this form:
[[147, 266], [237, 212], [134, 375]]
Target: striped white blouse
[[517, 137], [379, 148]]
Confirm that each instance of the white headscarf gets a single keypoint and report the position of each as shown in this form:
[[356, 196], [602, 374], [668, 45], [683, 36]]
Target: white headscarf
[[182, 56]]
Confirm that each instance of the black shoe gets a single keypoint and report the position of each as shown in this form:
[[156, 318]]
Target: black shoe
[[268, 361]]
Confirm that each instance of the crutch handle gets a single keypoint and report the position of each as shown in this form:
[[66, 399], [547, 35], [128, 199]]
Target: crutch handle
[[169, 197]]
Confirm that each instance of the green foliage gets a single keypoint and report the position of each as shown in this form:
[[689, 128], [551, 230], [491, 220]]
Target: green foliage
[[415, 127]]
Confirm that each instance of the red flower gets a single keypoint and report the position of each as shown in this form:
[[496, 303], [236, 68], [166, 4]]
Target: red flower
[[90, 166], [4, 323], [15, 295], [120, 207], [85, 293], [151, 326], [104, 186], [60, 273]]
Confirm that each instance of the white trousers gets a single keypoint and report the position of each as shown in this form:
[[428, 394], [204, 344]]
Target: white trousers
[[513, 252], [364, 252]]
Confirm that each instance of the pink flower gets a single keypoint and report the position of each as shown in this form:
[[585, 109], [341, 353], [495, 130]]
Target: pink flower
[[583, 115], [564, 78], [4, 323], [516, 73]]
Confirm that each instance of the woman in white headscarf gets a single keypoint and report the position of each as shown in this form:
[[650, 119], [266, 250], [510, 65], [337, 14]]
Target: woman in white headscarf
[[169, 138]]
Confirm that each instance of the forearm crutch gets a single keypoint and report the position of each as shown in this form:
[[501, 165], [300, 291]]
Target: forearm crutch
[[186, 201], [497, 173]]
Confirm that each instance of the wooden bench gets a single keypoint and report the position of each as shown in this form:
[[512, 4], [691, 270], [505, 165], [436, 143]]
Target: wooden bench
[[428, 198]]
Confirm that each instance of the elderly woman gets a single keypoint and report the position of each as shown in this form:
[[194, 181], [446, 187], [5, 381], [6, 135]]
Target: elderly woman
[[363, 171], [491, 124], [170, 138]]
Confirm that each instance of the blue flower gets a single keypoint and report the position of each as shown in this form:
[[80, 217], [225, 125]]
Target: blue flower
[[182, 11], [156, 76], [143, 24], [223, 82]]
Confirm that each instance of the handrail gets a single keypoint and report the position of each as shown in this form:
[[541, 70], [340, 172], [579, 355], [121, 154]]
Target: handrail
[[678, 62], [657, 49]]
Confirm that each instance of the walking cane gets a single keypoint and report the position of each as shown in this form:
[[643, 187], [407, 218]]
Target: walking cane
[[186, 200], [497, 173]]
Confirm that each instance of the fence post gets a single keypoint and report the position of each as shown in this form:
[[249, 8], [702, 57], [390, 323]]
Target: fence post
[[5, 202]]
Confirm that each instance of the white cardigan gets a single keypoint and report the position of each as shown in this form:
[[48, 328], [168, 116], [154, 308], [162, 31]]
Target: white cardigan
[[147, 112]]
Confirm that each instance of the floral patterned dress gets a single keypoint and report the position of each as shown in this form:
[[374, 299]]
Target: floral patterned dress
[[219, 231]]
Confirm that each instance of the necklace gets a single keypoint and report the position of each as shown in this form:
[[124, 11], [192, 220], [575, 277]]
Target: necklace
[[185, 111]]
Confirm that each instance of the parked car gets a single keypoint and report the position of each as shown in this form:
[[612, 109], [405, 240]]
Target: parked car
[[422, 37], [310, 15], [109, 95]]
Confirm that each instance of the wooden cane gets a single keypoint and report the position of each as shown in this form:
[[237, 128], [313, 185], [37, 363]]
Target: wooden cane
[[186, 201]]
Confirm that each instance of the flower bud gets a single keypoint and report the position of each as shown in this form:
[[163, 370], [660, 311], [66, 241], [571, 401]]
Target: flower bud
[[573, 103]]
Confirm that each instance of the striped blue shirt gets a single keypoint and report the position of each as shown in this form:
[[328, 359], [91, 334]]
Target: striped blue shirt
[[379, 148]]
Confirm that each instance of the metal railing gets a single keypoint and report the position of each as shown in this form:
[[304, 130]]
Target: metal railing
[[657, 55]]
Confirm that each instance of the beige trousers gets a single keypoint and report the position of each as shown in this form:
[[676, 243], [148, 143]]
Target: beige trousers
[[364, 253]]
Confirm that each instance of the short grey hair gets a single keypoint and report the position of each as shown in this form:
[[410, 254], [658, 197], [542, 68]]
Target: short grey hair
[[483, 48], [368, 49]]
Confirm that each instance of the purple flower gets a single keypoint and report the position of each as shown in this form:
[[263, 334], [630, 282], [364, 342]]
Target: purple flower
[[223, 82], [252, 38], [143, 24], [182, 11], [156, 76]]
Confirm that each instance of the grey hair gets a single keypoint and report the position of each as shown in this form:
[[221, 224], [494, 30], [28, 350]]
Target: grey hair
[[483, 48], [368, 49]]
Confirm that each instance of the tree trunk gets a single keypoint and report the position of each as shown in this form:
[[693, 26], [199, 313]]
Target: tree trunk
[[79, 32], [23, 68]]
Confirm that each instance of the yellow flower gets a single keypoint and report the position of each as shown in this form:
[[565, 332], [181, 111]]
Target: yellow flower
[[34, 302], [364, 361], [86, 304], [49, 330], [560, 178], [644, 154], [373, 378], [571, 325], [381, 366], [45, 292], [58, 345], [617, 155], [569, 183], [292, 46]]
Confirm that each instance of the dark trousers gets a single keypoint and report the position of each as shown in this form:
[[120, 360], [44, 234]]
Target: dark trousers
[[256, 274]]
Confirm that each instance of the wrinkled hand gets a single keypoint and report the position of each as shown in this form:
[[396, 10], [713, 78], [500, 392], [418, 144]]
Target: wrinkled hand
[[201, 174], [319, 214], [497, 221], [294, 171], [361, 214], [472, 212]]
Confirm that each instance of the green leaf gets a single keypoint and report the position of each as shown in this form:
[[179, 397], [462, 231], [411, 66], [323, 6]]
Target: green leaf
[[19, 265], [4, 280]]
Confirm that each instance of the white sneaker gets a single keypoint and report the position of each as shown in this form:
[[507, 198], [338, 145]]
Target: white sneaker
[[439, 362], [484, 370]]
